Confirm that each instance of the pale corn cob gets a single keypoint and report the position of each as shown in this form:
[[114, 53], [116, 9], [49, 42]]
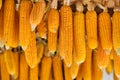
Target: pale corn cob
[[79, 35], [79, 75], [109, 68], [9, 61], [34, 73], [91, 26], [87, 65], [9, 21], [66, 35], [0, 4], [57, 68], [42, 29], [37, 14], [96, 72], [4, 73], [52, 41], [31, 51], [23, 68], [116, 64], [67, 74], [115, 30], [24, 24], [45, 68], [104, 23]]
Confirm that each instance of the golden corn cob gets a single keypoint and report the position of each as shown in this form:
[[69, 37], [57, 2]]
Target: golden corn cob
[[24, 24], [9, 21], [66, 34], [34, 73], [57, 68], [53, 20], [79, 75], [79, 37], [67, 74], [42, 29], [45, 68], [96, 72], [9, 61], [87, 65], [104, 23], [23, 68], [0, 4], [31, 51], [52, 42], [109, 68], [115, 31], [37, 14]]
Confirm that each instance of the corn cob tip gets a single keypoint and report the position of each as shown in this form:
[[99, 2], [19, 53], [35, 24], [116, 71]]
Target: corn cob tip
[[78, 63], [17, 7], [107, 51], [1, 43], [33, 27], [7, 47], [24, 47]]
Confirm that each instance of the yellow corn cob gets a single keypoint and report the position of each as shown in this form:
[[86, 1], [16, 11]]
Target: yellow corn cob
[[116, 64], [40, 50], [79, 75], [96, 72], [45, 68], [79, 37], [31, 51], [91, 29], [4, 73], [66, 35], [37, 14], [115, 30], [104, 23], [87, 65], [57, 68], [0, 4], [34, 73], [111, 54], [10, 61], [53, 20], [9, 21], [52, 41], [67, 73], [109, 68], [24, 24], [23, 68], [42, 29]]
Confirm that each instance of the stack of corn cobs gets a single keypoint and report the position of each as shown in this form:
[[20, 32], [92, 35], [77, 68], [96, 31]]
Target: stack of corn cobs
[[59, 39]]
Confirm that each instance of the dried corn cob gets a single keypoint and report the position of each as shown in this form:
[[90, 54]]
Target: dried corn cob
[[115, 30], [79, 75], [79, 34], [57, 68], [87, 65], [9, 61], [31, 51], [45, 68], [34, 73], [24, 24], [109, 68], [9, 18], [96, 72], [37, 14], [0, 4], [23, 68], [66, 34], [91, 26]]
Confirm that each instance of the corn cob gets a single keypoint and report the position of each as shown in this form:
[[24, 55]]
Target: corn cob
[[96, 72], [4, 73], [79, 36], [9, 18], [109, 68], [9, 61], [79, 75], [66, 34], [37, 14], [104, 24], [0, 4], [45, 68], [115, 30], [24, 24], [31, 51], [42, 29], [116, 64], [23, 68], [111, 54], [91, 26], [67, 73], [34, 73], [86, 66], [57, 68]]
